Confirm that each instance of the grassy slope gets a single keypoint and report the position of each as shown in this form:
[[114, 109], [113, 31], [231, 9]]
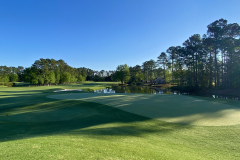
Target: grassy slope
[[33, 126], [170, 108]]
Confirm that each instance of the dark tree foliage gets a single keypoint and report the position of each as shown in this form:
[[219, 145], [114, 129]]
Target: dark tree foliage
[[211, 60], [122, 73], [50, 71], [9, 75]]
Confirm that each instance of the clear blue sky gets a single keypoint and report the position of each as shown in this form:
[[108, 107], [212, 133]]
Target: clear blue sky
[[101, 34]]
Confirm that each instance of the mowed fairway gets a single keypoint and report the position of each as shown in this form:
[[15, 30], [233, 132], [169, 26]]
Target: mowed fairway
[[37, 123]]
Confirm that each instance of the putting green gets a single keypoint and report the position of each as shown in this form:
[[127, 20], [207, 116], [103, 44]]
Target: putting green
[[170, 108]]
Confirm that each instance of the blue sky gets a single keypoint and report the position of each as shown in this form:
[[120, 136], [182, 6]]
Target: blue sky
[[102, 34]]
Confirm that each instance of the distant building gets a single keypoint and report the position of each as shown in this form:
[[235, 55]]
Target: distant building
[[159, 80]]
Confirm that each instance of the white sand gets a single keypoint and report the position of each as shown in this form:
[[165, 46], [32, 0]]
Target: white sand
[[66, 90]]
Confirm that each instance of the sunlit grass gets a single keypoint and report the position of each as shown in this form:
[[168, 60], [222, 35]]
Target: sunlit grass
[[170, 108], [33, 126]]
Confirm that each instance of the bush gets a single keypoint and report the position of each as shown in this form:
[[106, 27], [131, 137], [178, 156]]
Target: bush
[[8, 84]]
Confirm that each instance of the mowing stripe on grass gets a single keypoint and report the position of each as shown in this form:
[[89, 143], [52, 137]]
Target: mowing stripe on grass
[[170, 108]]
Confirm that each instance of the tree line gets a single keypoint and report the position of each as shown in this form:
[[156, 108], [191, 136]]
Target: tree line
[[10, 74], [210, 60], [51, 71]]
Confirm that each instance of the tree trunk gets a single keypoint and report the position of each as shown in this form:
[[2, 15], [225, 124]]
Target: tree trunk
[[223, 69], [172, 70], [210, 71], [164, 73], [216, 70]]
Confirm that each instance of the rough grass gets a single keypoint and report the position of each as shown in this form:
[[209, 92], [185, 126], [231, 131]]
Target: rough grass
[[33, 126]]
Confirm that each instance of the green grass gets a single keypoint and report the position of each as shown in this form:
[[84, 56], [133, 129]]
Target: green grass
[[170, 108], [33, 126]]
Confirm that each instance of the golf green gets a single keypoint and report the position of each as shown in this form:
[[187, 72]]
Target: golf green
[[169, 108]]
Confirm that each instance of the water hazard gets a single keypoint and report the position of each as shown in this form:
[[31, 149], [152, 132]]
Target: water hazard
[[135, 89], [152, 90]]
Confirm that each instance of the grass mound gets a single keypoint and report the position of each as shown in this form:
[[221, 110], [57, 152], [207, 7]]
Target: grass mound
[[33, 126], [170, 108], [50, 112]]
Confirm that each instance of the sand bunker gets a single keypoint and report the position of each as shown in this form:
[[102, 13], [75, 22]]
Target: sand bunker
[[66, 90], [170, 108]]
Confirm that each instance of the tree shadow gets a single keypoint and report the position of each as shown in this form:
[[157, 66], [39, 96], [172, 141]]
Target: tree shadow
[[33, 114], [171, 108]]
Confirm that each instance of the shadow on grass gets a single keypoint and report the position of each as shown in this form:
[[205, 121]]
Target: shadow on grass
[[170, 108], [33, 114], [25, 114]]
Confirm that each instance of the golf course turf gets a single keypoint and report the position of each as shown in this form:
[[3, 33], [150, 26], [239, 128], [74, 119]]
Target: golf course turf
[[38, 123], [170, 108]]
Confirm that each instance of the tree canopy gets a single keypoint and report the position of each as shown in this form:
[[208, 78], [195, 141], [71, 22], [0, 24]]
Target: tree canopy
[[210, 60], [122, 73]]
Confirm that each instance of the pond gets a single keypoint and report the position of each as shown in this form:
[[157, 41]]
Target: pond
[[135, 89], [156, 90]]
